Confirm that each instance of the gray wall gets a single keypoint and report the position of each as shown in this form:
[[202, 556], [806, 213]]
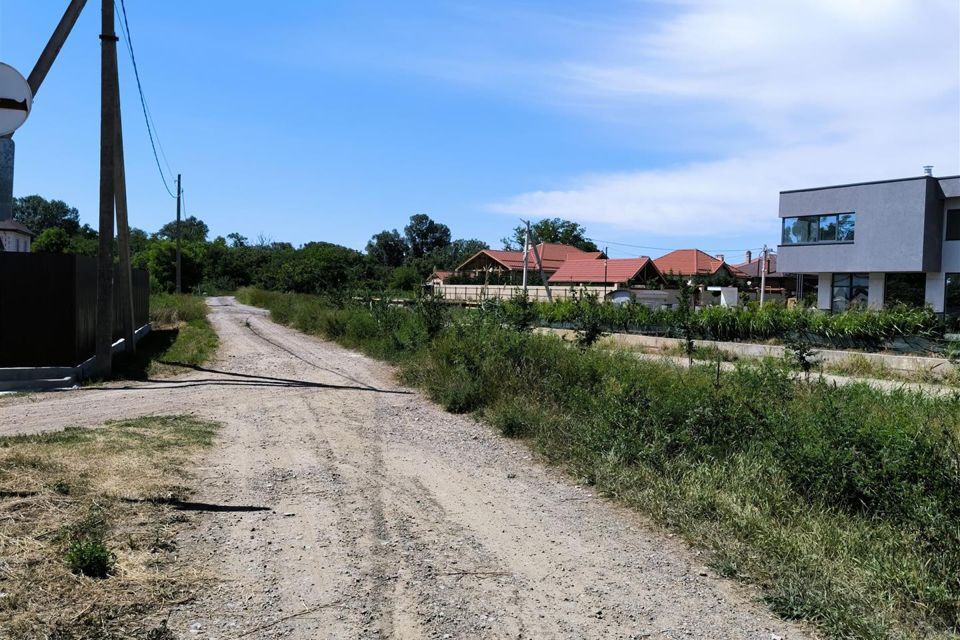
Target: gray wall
[[898, 227], [951, 249]]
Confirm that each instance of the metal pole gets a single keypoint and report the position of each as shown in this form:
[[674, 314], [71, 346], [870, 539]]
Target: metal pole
[[763, 275], [605, 250], [7, 153], [179, 191], [123, 229], [108, 138]]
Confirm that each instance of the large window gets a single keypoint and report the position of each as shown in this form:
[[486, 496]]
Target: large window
[[850, 290], [953, 224], [832, 227]]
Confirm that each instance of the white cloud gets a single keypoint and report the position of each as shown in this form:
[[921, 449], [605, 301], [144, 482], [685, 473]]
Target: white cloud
[[828, 91]]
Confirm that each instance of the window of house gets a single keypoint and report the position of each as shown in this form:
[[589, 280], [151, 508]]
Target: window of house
[[953, 224], [799, 230], [831, 227], [905, 288], [850, 290]]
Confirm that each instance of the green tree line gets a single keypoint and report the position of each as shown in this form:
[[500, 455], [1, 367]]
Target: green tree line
[[392, 260]]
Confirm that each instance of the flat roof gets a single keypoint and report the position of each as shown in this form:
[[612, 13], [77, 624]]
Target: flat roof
[[860, 184]]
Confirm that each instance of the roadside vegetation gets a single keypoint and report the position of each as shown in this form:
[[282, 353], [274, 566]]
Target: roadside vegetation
[[841, 504], [180, 334], [857, 328], [87, 530]]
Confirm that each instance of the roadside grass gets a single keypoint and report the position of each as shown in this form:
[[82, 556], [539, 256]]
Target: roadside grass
[[180, 333], [86, 544], [841, 504]]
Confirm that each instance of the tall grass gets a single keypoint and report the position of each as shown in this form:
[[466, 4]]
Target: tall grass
[[180, 334], [842, 504]]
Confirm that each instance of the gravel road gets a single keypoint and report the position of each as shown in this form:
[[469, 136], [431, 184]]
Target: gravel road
[[385, 517]]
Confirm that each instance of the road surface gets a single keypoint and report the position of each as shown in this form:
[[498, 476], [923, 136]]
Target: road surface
[[386, 517]]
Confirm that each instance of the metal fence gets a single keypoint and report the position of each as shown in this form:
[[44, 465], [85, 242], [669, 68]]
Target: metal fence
[[48, 308]]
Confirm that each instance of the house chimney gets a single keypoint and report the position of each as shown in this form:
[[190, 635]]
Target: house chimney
[[928, 170], [720, 257], [749, 255]]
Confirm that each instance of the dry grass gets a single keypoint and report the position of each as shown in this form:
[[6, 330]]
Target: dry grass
[[77, 486]]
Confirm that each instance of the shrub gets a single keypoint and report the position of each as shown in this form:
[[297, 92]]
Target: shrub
[[90, 557]]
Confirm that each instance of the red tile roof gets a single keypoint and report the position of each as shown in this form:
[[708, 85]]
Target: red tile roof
[[439, 275], [618, 270], [689, 262], [552, 256]]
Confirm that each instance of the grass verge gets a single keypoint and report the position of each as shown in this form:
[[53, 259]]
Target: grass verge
[[86, 543], [180, 333], [841, 504]]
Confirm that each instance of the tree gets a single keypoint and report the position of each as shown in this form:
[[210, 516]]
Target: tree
[[387, 248], [237, 240], [51, 240], [40, 214], [192, 229], [551, 230], [424, 235]]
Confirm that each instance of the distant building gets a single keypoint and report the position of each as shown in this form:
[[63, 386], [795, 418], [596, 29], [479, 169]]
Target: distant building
[[693, 262], [14, 236], [509, 264], [876, 243], [438, 277], [617, 272]]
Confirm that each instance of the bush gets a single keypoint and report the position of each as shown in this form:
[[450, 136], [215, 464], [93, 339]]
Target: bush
[[91, 558]]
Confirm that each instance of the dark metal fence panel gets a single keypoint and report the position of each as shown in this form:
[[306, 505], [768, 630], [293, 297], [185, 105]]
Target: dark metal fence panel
[[48, 309]]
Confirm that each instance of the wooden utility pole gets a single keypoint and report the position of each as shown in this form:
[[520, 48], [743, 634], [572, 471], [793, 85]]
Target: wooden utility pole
[[127, 320], [49, 53], [108, 139], [179, 191]]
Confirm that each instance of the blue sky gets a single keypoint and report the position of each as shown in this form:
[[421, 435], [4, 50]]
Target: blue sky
[[661, 124]]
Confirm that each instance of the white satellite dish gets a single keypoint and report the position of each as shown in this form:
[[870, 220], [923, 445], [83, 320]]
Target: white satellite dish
[[16, 99]]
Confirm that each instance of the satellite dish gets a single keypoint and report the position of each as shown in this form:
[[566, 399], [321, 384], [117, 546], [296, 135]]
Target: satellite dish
[[16, 99]]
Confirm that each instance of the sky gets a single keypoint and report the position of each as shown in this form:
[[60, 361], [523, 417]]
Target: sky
[[656, 124]]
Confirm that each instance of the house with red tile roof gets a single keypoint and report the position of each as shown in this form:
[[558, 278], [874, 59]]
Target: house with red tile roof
[[693, 262], [607, 272], [551, 255]]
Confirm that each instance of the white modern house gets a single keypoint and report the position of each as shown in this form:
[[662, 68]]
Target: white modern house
[[876, 243], [14, 236]]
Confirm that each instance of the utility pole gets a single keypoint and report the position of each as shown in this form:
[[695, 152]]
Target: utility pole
[[526, 256], [536, 256], [763, 275], [127, 321], [108, 138], [39, 72], [179, 191], [605, 258]]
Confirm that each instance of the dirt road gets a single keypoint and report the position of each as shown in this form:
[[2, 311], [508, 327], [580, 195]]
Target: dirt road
[[388, 518]]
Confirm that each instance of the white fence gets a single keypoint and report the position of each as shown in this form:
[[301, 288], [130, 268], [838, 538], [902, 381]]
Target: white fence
[[480, 292]]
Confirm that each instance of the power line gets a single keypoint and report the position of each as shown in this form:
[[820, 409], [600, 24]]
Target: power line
[[125, 28], [640, 246]]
